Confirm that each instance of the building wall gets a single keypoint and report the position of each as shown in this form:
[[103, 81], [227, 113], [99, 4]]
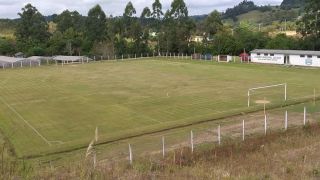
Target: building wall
[[267, 59], [313, 61]]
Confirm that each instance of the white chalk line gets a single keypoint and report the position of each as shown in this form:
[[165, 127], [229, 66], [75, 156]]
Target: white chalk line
[[19, 115]]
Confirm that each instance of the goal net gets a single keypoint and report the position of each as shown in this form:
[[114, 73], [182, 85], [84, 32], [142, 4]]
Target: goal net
[[274, 94]]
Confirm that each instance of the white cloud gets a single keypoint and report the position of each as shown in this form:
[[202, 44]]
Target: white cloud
[[10, 8]]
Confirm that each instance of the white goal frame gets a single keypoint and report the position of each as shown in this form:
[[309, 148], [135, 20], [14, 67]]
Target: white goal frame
[[264, 87]]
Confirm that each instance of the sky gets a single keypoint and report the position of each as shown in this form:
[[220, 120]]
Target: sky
[[10, 8]]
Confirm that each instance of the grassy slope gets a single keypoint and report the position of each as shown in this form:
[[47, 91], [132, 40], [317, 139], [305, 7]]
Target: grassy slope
[[269, 20], [126, 98], [291, 155]]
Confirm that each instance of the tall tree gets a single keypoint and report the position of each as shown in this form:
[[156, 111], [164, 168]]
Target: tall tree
[[178, 28], [179, 9], [157, 10], [32, 29], [157, 14], [129, 10], [146, 13], [212, 24], [96, 27], [68, 19]]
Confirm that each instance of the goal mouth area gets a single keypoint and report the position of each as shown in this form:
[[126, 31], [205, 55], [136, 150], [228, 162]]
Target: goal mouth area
[[270, 93]]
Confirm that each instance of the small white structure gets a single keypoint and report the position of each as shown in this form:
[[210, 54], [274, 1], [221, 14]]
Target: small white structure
[[224, 58], [71, 59], [287, 57], [6, 61], [39, 58]]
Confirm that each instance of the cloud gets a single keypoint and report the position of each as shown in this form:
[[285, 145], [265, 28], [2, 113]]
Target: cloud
[[10, 8]]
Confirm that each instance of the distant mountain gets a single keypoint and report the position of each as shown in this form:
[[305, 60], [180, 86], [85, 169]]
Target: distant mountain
[[289, 4]]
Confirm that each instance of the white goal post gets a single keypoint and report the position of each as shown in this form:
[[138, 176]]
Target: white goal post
[[264, 87]]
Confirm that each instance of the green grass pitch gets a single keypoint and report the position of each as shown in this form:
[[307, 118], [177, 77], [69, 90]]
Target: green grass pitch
[[51, 109]]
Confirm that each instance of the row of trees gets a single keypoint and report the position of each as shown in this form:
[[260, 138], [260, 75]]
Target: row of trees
[[153, 31], [98, 34]]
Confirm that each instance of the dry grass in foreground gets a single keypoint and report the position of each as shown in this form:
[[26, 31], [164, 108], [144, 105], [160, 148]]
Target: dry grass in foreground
[[280, 155]]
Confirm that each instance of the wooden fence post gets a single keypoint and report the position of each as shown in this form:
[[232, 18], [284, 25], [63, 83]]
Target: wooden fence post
[[130, 155], [191, 141], [304, 115], [265, 124], [219, 134], [243, 133], [163, 147], [286, 120]]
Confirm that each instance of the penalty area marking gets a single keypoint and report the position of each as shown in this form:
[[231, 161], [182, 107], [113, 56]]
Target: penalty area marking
[[33, 128]]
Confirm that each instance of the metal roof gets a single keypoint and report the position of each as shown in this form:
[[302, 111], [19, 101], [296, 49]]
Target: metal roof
[[286, 52], [70, 58], [6, 59], [38, 58]]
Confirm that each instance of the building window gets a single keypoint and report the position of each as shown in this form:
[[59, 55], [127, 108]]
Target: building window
[[265, 54], [309, 56], [302, 56], [271, 54], [258, 54], [318, 57]]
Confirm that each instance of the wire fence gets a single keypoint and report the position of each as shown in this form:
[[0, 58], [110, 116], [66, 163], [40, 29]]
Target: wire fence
[[215, 133], [28, 63]]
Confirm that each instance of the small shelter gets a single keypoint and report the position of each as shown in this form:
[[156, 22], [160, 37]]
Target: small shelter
[[6, 61], [244, 57], [71, 59], [224, 58]]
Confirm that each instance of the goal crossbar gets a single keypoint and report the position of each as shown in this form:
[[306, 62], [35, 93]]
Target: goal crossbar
[[270, 86]]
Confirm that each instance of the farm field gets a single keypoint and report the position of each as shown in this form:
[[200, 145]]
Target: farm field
[[52, 109]]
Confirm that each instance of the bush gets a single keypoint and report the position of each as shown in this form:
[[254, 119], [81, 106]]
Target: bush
[[36, 51], [6, 47]]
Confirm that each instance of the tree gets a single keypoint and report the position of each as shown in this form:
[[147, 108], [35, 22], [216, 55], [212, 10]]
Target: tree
[[309, 24], [129, 10], [128, 19], [179, 9], [146, 13], [68, 19], [177, 28], [96, 28], [6, 47], [157, 10], [281, 41], [32, 29], [212, 24], [243, 7], [56, 43], [157, 14]]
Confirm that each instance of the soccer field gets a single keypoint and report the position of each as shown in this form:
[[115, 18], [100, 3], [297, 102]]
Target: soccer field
[[54, 108]]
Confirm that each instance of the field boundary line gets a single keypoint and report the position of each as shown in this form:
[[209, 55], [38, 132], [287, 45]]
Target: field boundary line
[[21, 117]]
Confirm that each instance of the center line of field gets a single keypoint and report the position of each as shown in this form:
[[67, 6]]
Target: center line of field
[[19, 115]]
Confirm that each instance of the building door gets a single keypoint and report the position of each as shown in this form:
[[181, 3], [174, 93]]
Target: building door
[[286, 59]]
